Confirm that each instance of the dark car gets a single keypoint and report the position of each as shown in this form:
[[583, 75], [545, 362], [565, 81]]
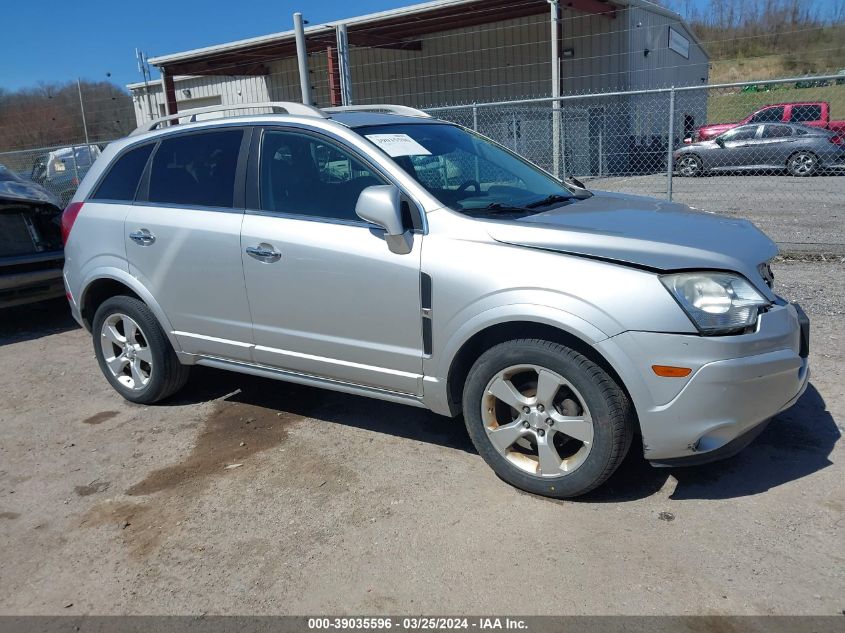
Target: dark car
[[61, 170], [31, 254], [800, 150]]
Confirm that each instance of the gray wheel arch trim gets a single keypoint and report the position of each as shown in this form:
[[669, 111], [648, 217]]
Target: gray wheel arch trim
[[135, 286]]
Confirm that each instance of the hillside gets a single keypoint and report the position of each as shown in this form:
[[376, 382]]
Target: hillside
[[814, 51]]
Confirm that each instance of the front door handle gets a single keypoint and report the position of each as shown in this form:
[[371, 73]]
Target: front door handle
[[264, 253], [142, 237]]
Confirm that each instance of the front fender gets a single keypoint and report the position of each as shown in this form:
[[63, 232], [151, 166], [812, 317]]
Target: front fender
[[436, 369]]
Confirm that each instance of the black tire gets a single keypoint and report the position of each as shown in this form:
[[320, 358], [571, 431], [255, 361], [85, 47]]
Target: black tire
[[611, 411], [167, 375], [802, 163], [696, 167]]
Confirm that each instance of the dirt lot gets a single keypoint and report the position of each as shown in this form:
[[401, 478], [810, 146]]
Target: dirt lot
[[345, 505], [800, 214]]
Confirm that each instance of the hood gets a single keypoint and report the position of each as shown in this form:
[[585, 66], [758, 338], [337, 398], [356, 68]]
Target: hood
[[709, 131], [702, 144], [14, 189], [645, 232]]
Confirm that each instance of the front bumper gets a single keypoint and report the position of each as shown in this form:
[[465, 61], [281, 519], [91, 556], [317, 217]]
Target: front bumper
[[737, 384]]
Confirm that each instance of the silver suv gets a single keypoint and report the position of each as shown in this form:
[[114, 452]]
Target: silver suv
[[380, 252]]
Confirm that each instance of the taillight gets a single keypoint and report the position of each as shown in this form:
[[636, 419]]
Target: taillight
[[68, 218], [837, 140]]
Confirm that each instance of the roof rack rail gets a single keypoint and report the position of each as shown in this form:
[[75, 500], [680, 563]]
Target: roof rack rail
[[380, 107], [291, 107]]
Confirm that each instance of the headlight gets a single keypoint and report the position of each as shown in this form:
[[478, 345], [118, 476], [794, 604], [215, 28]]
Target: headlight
[[716, 302]]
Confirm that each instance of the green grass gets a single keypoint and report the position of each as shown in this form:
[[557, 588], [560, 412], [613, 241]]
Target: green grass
[[723, 107]]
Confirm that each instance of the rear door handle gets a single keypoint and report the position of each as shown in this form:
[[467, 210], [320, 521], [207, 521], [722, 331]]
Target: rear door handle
[[142, 237], [264, 253]]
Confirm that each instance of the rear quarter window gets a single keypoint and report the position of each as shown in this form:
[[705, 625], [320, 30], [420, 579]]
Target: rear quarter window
[[122, 179]]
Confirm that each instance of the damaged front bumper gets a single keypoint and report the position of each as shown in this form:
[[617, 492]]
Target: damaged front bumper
[[736, 385]]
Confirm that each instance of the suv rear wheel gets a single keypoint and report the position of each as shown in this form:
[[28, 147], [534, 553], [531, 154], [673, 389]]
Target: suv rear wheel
[[545, 418], [134, 353]]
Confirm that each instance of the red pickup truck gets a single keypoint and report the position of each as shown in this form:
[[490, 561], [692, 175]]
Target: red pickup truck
[[812, 113]]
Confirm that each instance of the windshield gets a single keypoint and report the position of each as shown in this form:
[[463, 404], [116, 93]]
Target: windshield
[[465, 171]]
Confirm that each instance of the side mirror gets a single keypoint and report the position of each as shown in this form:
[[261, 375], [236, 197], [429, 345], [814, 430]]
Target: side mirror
[[382, 205], [719, 142]]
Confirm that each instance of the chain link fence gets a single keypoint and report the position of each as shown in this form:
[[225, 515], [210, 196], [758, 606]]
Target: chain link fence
[[59, 169], [772, 151]]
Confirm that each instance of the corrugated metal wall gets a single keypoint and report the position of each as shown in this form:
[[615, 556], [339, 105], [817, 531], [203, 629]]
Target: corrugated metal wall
[[662, 67], [504, 60], [230, 90], [500, 60], [598, 44]]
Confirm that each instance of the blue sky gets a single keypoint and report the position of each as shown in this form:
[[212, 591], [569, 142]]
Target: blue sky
[[59, 40]]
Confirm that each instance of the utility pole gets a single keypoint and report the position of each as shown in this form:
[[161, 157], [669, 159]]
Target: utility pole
[[302, 58], [555, 54], [343, 63], [82, 110]]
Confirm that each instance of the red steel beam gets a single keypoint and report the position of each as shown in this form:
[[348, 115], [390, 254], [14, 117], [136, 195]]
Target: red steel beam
[[334, 76]]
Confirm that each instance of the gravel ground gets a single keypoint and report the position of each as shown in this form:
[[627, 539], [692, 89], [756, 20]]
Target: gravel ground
[[801, 214], [347, 505]]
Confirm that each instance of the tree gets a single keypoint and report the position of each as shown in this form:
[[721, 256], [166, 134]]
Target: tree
[[49, 114]]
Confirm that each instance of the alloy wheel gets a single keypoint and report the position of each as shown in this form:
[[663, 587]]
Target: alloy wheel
[[537, 420], [689, 166], [802, 164], [126, 351]]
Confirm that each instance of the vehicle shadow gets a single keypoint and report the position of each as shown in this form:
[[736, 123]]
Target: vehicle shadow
[[323, 405], [28, 322], [796, 443]]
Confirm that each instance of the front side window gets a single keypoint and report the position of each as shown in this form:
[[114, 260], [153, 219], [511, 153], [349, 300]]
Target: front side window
[[196, 169], [466, 172], [768, 115], [121, 181], [308, 175], [801, 113], [776, 131], [740, 134]]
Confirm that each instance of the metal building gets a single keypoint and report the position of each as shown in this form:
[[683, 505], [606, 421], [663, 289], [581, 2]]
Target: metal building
[[464, 51], [443, 52]]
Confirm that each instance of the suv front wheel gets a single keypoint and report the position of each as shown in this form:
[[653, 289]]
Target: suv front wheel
[[545, 418], [134, 353]]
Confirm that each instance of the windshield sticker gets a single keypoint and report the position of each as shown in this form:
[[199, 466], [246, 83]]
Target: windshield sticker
[[398, 145]]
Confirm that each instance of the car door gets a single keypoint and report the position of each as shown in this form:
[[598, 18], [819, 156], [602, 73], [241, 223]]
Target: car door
[[328, 297], [776, 144], [183, 239], [738, 148]]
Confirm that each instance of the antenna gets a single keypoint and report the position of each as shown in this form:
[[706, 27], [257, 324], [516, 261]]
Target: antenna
[[144, 69]]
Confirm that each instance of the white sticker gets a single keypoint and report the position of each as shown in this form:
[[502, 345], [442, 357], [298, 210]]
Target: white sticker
[[398, 145]]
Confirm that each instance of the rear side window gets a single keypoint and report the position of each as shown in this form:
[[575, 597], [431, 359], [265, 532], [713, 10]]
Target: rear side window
[[122, 179], [196, 169], [806, 113], [776, 131], [769, 114]]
